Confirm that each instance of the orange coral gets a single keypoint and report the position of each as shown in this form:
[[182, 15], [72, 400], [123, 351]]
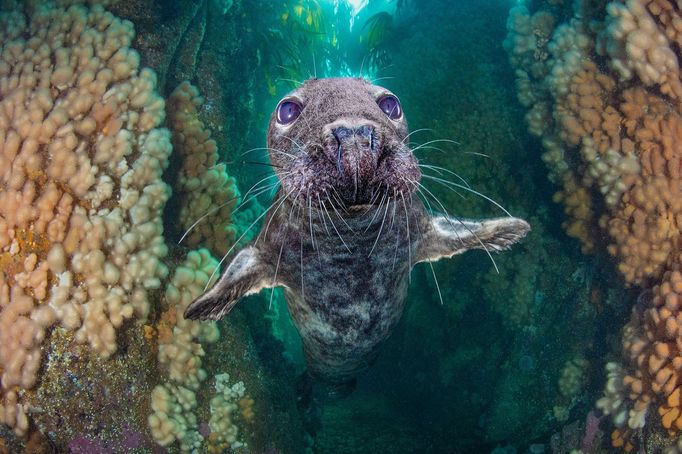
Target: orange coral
[[166, 324], [621, 439], [246, 408], [614, 140], [149, 332], [578, 208]]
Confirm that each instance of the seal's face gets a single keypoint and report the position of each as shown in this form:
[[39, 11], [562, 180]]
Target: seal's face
[[341, 141]]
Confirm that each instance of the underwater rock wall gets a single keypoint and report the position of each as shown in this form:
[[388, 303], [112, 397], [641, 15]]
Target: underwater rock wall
[[216, 48], [602, 85], [89, 317], [82, 198], [205, 190]]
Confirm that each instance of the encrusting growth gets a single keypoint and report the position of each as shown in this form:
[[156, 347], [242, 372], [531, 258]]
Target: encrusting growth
[[203, 184], [605, 97], [81, 194]]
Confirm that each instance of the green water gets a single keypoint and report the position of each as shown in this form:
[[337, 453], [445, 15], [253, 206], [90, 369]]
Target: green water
[[474, 364]]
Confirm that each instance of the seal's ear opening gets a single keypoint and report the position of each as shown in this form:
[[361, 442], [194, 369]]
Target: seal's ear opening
[[245, 275], [447, 236]]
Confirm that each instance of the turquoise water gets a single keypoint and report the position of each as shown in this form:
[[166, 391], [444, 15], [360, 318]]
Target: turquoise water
[[501, 353]]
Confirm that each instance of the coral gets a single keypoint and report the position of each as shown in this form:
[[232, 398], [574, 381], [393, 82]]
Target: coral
[[179, 353], [174, 403], [225, 402], [571, 383], [605, 136], [205, 190], [606, 104], [80, 170]]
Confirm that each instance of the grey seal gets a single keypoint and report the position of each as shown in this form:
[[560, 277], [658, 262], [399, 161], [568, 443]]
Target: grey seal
[[346, 225]]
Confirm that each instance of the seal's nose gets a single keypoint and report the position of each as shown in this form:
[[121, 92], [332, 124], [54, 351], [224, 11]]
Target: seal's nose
[[364, 133], [356, 150]]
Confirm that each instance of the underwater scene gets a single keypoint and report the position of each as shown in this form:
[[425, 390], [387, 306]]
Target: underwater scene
[[219, 234]]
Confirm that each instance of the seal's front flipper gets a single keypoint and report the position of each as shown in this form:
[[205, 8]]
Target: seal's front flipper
[[245, 275], [446, 236]]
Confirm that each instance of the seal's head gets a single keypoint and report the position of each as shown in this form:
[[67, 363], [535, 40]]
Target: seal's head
[[341, 141]]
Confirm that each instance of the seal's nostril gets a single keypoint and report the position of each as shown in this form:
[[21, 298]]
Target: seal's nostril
[[365, 131], [342, 133]]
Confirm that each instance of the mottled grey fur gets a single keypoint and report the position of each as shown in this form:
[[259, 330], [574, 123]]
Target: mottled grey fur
[[345, 228]]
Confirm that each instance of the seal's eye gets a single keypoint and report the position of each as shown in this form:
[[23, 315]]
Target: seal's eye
[[288, 111], [391, 106]]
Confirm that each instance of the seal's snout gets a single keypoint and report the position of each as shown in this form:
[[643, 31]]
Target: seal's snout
[[355, 149]]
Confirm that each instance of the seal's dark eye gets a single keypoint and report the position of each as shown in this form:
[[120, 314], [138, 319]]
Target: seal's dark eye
[[288, 111], [391, 106]]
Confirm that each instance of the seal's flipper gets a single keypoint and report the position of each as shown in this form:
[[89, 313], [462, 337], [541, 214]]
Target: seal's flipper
[[446, 236], [245, 275]]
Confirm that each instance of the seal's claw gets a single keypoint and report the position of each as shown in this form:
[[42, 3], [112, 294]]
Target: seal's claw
[[245, 275], [499, 234]]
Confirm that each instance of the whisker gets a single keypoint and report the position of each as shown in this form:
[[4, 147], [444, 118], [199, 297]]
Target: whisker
[[370, 204], [374, 81], [337, 231], [443, 169], [440, 295], [217, 208], [437, 181], [259, 149], [344, 221], [397, 237], [203, 216], [262, 164], [324, 221], [388, 202], [447, 182], [267, 227], [447, 216], [430, 147], [393, 215], [310, 220], [235, 245], [376, 212], [285, 154], [409, 241], [427, 147], [284, 79], [362, 65], [274, 279], [414, 132], [337, 197], [441, 141]]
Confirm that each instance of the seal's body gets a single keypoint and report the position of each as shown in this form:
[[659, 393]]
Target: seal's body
[[344, 300], [346, 227]]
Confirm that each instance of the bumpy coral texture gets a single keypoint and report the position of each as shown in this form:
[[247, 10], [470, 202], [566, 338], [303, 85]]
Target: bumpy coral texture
[[174, 403], [180, 351], [605, 97], [208, 196], [81, 194]]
